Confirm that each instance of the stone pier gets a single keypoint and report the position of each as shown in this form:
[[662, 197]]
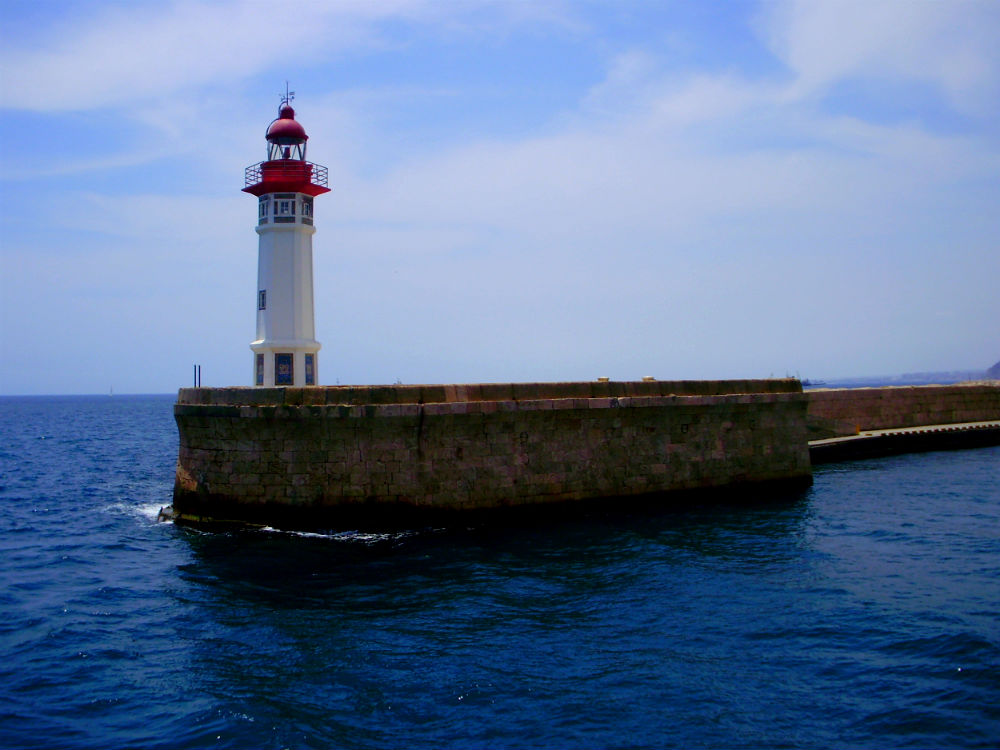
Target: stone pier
[[394, 455]]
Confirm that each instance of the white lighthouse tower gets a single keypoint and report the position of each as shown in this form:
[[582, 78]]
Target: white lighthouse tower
[[285, 350]]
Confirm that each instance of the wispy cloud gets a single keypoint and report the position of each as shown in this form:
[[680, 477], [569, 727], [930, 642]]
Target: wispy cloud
[[952, 46], [114, 54], [108, 55]]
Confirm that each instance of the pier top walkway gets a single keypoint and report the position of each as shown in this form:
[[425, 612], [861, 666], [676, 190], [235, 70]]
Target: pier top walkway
[[873, 443]]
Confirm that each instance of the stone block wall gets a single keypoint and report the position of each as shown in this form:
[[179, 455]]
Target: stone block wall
[[846, 411], [313, 453]]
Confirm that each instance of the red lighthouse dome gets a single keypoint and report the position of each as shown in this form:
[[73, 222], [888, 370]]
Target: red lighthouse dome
[[285, 130]]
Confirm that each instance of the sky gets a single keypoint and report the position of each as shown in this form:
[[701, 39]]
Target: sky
[[521, 191]]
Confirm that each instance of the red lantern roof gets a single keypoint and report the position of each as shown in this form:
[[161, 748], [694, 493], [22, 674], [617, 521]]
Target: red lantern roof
[[285, 129]]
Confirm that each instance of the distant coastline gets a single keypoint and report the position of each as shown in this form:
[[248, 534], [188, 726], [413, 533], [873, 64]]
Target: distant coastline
[[911, 378]]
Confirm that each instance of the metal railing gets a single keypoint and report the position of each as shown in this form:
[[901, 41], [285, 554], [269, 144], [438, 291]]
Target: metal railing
[[286, 170]]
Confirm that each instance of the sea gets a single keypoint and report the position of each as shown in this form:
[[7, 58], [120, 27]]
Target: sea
[[863, 612]]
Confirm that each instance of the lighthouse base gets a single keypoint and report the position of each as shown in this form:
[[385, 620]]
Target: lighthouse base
[[285, 363]]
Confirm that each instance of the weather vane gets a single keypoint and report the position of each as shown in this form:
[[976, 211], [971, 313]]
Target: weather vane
[[287, 97]]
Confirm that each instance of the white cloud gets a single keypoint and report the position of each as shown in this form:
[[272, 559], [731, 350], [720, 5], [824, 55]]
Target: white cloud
[[110, 55], [136, 52], [955, 46], [641, 178]]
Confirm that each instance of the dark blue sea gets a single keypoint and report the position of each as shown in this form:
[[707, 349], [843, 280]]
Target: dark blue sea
[[864, 612]]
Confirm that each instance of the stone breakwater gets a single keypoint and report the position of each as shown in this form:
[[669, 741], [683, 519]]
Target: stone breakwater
[[386, 455], [841, 412]]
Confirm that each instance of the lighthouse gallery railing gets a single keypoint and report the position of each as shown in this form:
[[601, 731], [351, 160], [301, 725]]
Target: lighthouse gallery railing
[[282, 170]]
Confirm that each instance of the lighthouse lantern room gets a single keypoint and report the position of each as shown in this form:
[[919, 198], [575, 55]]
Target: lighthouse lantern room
[[285, 351]]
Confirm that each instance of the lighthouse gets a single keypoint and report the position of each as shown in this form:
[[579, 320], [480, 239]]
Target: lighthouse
[[285, 351]]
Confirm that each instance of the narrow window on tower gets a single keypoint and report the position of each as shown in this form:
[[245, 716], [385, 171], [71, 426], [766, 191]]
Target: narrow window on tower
[[283, 373], [310, 369], [259, 370], [307, 210], [262, 299]]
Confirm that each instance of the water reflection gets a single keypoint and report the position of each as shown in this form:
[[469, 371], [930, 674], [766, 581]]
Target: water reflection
[[601, 548]]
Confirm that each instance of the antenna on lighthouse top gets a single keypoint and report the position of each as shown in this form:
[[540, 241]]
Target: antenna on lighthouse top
[[287, 97]]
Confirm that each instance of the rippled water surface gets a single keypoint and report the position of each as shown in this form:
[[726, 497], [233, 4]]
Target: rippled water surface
[[863, 612]]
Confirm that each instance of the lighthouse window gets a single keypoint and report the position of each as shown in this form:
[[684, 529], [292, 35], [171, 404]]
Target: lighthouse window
[[284, 210], [259, 369], [262, 299], [263, 210], [310, 369], [283, 374]]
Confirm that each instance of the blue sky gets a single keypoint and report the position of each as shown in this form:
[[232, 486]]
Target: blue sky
[[521, 191]]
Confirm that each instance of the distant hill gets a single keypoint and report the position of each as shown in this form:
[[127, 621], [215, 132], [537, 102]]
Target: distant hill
[[911, 378], [950, 376]]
